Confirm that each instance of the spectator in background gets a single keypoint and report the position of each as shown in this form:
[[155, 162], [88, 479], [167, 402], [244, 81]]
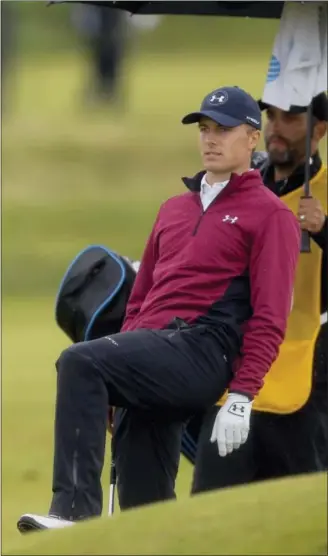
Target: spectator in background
[[105, 32]]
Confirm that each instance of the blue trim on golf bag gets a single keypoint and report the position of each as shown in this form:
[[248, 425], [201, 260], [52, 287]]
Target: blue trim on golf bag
[[109, 298]]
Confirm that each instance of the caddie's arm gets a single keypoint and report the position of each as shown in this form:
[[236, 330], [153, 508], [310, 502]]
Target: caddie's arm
[[143, 281], [274, 255], [312, 217]]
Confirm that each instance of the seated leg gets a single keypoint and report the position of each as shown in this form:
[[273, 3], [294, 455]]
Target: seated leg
[[146, 451]]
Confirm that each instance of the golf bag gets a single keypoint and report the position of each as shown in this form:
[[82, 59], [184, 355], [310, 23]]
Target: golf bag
[[93, 294], [91, 303]]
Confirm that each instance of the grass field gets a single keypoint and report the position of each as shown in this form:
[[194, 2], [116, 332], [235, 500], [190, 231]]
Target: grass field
[[280, 518], [72, 177]]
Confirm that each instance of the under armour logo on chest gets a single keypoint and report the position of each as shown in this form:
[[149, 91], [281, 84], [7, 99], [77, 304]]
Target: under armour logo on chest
[[230, 219]]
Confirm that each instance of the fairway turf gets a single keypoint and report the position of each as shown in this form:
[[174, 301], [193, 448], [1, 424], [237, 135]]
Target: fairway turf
[[287, 517], [73, 176]]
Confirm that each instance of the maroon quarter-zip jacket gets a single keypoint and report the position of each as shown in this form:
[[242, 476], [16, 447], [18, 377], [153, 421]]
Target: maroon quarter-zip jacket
[[231, 267]]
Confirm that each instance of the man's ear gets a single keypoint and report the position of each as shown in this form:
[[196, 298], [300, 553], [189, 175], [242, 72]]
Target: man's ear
[[319, 131], [254, 138]]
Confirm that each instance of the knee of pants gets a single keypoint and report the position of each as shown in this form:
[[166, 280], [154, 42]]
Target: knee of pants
[[146, 453], [70, 359]]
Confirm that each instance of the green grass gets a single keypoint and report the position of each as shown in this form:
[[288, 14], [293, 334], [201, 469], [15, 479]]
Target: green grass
[[287, 517], [72, 176]]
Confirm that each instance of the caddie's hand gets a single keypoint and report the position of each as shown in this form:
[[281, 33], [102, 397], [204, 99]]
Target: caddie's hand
[[311, 215], [231, 426]]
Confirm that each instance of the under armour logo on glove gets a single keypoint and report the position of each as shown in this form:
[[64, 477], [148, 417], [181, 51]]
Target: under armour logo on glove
[[231, 425], [237, 409]]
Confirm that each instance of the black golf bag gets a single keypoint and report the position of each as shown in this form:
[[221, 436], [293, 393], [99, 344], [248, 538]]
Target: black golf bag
[[93, 294], [91, 303]]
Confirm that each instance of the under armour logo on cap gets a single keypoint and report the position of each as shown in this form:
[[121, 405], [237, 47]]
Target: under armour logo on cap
[[228, 107], [218, 97]]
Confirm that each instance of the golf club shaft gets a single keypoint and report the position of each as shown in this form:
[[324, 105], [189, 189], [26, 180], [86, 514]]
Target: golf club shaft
[[111, 503], [112, 483], [306, 241]]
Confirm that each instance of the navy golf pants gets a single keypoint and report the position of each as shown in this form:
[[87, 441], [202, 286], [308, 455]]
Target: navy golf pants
[[158, 379]]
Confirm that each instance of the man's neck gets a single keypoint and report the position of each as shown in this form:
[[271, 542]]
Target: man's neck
[[284, 172], [214, 177]]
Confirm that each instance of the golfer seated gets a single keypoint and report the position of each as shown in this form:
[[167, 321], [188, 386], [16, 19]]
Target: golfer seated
[[206, 315]]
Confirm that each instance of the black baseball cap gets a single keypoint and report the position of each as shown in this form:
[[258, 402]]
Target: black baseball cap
[[319, 107], [229, 107]]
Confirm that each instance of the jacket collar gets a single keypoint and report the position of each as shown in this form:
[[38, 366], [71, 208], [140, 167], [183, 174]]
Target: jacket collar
[[194, 183]]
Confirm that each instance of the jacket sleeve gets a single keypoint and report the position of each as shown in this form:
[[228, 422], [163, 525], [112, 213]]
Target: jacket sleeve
[[143, 281], [274, 256], [321, 238]]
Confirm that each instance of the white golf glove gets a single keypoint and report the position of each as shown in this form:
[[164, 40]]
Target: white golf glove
[[231, 425]]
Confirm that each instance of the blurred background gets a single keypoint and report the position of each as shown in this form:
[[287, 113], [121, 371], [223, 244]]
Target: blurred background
[[92, 140], [91, 145]]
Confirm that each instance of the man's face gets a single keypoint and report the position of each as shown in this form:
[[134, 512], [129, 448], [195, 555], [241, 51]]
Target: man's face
[[225, 149], [284, 136]]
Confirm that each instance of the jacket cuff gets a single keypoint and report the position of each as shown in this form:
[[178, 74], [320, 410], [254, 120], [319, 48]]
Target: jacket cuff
[[247, 394]]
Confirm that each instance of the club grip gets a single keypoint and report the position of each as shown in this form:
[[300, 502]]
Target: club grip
[[305, 242]]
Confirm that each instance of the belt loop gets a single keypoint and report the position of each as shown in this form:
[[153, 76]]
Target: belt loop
[[180, 323]]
